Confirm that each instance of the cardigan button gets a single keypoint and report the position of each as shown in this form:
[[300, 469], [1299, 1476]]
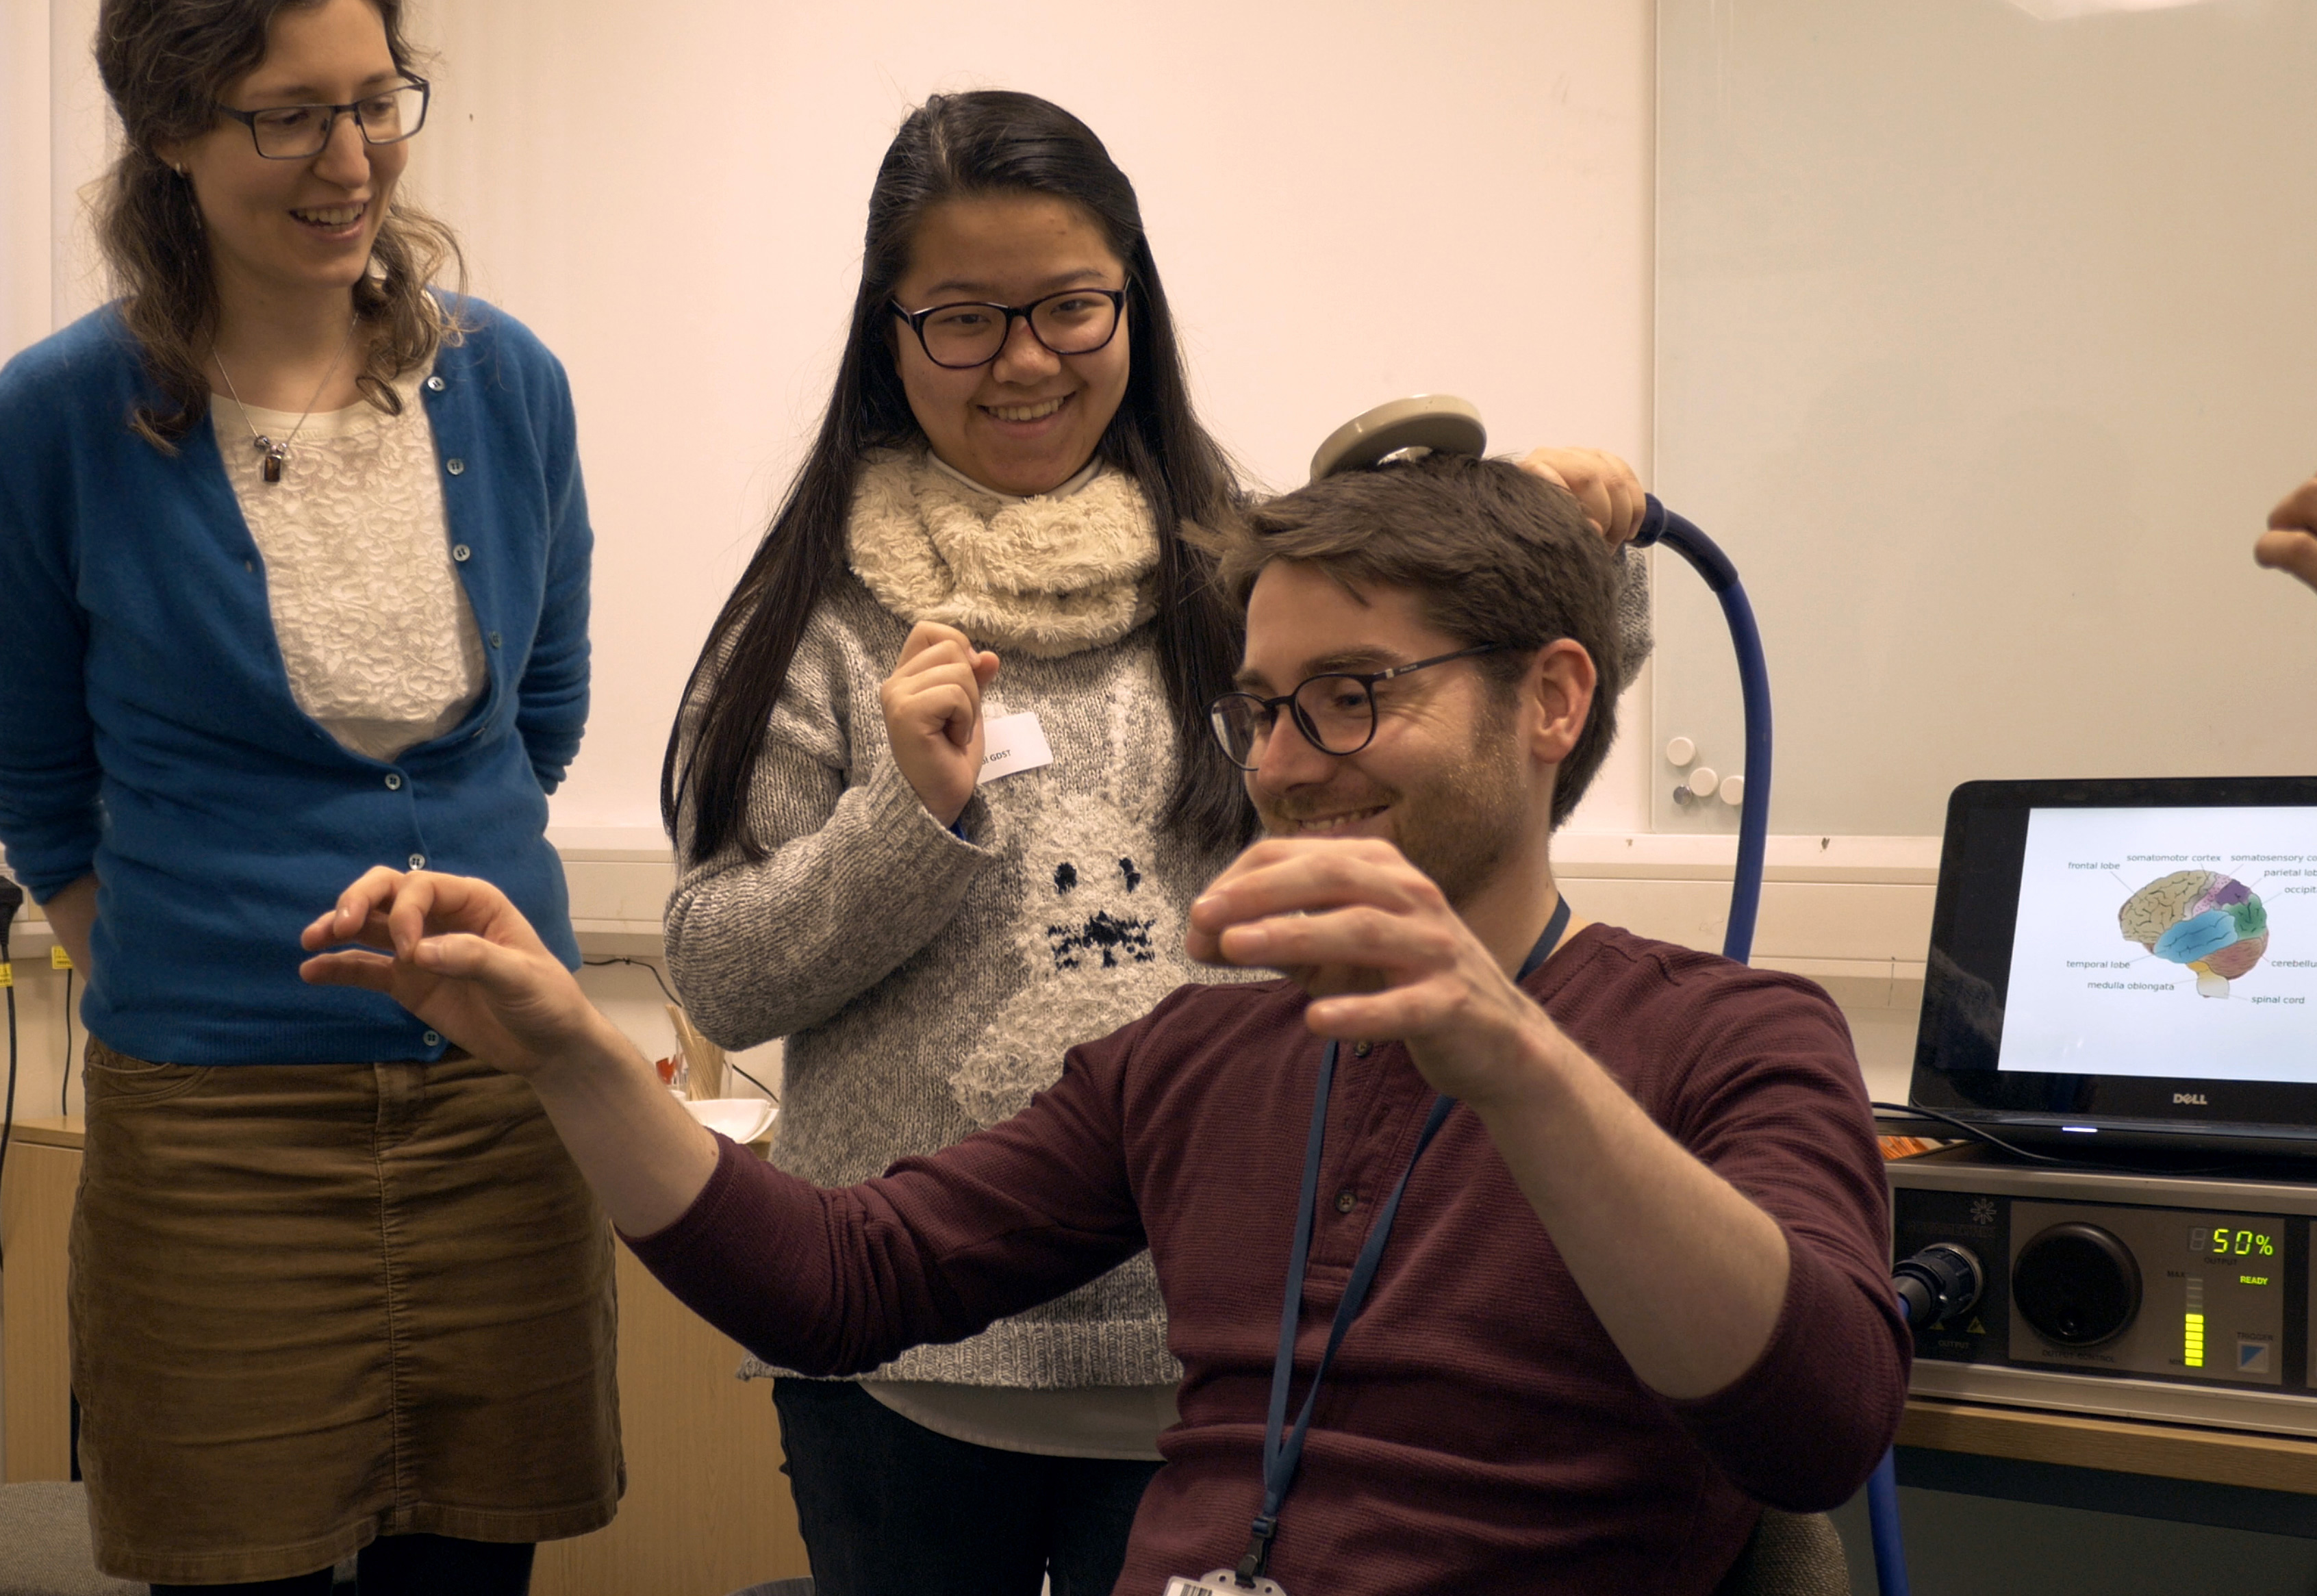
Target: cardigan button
[[418, 861], [459, 551], [433, 1038], [394, 780], [495, 639], [434, 384], [1361, 1050], [457, 468], [1345, 1202]]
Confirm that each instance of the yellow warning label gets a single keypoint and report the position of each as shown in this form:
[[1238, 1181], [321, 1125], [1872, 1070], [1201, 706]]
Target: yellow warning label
[[1976, 1328], [58, 959], [7, 975]]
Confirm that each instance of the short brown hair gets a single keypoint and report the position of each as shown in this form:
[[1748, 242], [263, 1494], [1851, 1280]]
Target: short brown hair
[[1496, 554]]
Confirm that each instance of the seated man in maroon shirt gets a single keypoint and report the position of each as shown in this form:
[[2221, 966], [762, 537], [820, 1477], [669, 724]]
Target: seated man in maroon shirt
[[1635, 1282]]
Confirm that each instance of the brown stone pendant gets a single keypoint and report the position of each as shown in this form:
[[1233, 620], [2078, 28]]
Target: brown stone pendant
[[272, 468], [275, 453]]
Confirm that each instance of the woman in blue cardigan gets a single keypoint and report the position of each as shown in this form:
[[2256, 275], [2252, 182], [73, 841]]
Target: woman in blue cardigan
[[293, 581]]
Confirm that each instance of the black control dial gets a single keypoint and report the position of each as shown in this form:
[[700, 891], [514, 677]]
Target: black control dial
[[2076, 1284]]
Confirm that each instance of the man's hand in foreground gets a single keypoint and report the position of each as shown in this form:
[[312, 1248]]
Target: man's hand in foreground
[[1384, 956], [456, 954], [1685, 1273], [460, 957]]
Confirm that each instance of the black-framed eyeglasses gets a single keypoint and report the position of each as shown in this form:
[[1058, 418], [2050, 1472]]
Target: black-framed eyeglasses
[[971, 333], [1336, 713], [299, 132]]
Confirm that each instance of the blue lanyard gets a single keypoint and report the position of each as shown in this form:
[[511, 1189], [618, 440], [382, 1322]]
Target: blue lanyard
[[1283, 1449]]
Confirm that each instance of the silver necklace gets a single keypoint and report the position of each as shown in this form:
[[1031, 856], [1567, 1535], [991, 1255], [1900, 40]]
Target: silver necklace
[[277, 453]]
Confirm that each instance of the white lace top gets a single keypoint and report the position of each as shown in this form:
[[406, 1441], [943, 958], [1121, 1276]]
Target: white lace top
[[375, 629]]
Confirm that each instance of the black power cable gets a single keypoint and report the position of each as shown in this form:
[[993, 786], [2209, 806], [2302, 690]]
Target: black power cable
[[652, 970], [1981, 1134], [646, 965], [11, 899], [64, 1090]]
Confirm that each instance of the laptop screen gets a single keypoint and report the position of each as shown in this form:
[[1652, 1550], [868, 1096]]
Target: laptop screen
[[2127, 954], [2171, 941]]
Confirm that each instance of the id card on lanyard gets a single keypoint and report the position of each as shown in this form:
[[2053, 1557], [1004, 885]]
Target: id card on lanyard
[[1283, 1448]]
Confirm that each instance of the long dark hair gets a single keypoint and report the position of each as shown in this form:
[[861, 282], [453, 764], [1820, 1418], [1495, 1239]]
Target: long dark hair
[[981, 143], [164, 63]]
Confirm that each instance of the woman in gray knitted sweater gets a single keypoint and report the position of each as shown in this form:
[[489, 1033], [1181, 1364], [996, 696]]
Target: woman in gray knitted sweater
[[934, 876]]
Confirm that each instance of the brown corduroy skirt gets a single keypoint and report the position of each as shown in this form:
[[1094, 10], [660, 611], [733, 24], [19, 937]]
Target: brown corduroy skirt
[[316, 1304]]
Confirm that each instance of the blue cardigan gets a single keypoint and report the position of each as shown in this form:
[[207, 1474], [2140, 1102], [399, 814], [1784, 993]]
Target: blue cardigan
[[147, 733]]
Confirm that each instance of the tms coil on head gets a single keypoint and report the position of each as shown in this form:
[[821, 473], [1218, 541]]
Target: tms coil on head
[[1442, 421], [1439, 421]]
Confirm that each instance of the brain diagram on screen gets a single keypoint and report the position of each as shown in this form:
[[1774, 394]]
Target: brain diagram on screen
[[2212, 923]]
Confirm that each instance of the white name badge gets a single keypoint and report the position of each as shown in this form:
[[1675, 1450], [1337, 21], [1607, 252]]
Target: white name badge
[[1011, 744], [1222, 1582]]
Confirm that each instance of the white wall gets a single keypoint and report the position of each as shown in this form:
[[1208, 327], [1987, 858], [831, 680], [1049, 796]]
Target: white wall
[[1347, 201], [24, 308]]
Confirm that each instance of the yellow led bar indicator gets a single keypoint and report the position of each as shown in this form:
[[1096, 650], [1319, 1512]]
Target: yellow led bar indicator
[[2193, 1342]]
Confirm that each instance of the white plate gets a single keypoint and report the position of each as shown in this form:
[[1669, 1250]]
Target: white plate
[[744, 1119]]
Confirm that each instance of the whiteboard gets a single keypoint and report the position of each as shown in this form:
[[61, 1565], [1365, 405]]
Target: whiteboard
[[1985, 340]]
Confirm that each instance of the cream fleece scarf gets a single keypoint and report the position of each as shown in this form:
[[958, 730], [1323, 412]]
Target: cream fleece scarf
[[1045, 576]]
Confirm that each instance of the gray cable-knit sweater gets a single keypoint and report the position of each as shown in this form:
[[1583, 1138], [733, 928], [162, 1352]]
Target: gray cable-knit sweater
[[929, 984]]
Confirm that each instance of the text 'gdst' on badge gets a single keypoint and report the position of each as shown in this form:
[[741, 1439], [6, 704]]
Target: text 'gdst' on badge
[[1011, 744]]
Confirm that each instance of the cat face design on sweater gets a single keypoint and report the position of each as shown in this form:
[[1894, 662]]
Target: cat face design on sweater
[[1106, 939], [1100, 943]]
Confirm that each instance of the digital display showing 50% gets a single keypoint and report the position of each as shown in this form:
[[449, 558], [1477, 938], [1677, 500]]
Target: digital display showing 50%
[[2224, 1240]]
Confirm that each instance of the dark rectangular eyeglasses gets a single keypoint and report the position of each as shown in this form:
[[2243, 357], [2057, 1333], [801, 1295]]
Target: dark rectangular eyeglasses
[[300, 132]]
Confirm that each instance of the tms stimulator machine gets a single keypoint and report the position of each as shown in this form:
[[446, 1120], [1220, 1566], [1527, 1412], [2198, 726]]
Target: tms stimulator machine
[[2118, 1000]]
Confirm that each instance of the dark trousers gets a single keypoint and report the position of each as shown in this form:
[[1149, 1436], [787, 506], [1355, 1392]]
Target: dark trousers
[[403, 1565], [889, 1508]]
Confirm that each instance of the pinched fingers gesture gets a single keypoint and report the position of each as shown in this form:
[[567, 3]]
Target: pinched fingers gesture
[[933, 715], [2287, 544], [1603, 485], [455, 953], [1380, 950]]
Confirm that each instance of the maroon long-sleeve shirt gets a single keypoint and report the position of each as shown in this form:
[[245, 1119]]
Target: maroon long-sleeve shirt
[[1479, 1432]]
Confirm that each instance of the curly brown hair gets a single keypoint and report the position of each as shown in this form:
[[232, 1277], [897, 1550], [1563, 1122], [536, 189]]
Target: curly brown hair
[[164, 64]]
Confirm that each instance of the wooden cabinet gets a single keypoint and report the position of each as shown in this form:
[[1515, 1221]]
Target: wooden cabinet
[[36, 1199], [707, 1510]]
